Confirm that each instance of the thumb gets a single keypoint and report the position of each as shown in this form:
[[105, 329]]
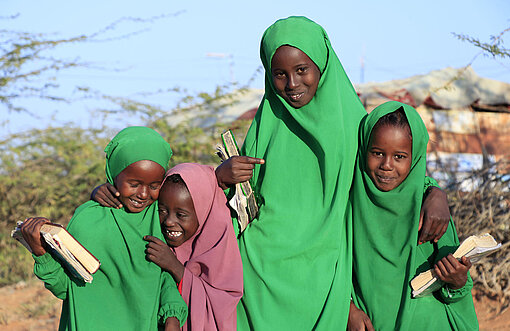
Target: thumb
[[420, 224]]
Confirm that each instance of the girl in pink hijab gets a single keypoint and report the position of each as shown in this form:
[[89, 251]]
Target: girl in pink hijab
[[203, 256]]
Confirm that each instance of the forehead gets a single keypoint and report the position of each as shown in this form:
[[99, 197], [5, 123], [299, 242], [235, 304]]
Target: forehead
[[288, 56], [391, 136], [144, 170], [172, 192]]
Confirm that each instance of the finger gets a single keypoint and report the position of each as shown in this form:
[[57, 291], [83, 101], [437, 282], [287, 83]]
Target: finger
[[439, 272], [466, 261], [243, 173], [368, 325], [420, 224], [449, 264], [149, 238], [112, 189], [441, 232], [250, 160], [426, 234], [155, 241], [111, 195]]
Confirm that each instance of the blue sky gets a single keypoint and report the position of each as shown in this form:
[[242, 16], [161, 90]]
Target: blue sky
[[396, 38]]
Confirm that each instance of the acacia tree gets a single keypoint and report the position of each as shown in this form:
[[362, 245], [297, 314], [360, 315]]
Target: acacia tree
[[30, 70]]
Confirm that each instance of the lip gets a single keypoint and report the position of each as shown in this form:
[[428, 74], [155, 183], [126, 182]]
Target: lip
[[173, 234], [295, 96], [385, 179], [137, 203]]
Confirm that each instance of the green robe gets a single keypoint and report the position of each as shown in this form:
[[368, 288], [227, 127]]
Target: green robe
[[128, 292], [385, 252], [296, 254]]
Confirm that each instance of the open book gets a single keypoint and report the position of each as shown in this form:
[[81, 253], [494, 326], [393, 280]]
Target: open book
[[243, 201], [473, 247], [79, 261]]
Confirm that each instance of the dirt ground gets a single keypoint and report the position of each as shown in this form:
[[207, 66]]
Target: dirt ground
[[30, 307]]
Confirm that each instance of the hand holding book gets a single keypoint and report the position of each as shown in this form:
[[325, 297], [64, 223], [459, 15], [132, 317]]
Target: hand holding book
[[39, 235], [452, 271], [31, 231]]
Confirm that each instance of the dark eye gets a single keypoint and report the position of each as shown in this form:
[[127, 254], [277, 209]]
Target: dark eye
[[154, 187], [400, 157], [302, 70], [278, 74], [133, 185]]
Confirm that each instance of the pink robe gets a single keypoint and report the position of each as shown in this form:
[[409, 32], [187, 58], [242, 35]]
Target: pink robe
[[212, 284]]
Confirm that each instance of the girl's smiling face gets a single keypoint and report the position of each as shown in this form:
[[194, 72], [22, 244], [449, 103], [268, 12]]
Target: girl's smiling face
[[177, 215], [138, 184], [295, 76], [389, 156]]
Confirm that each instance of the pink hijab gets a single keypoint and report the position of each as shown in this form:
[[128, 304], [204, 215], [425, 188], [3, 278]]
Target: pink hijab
[[212, 284]]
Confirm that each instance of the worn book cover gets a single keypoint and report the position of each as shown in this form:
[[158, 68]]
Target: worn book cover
[[63, 246], [474, 247]]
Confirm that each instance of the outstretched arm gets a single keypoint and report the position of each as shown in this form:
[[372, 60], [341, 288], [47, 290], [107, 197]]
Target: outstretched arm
[[236, 169]]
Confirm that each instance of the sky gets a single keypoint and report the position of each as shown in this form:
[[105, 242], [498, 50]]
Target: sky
[[202, 44]]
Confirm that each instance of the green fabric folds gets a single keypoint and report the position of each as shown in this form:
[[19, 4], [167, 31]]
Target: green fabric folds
[[134, 144], [128, 292], [385, 252], [296, 255]]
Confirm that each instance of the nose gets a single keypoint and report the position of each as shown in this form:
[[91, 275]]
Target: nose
[[292, 82], [169, 221], [143, 192], [387, 163]]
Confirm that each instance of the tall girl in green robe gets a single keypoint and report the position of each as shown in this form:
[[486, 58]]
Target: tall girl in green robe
[[128, 292], [296, 255], [387, 195]]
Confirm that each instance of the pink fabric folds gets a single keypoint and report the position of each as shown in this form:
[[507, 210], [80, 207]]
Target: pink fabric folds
[[213, 278]]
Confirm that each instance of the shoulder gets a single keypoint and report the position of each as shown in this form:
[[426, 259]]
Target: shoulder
[[87, 216]]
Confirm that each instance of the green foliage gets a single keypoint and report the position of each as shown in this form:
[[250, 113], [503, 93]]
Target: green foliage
[[46, 173], [493, 48]]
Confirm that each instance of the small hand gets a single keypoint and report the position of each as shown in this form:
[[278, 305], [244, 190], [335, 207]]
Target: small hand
[[107, 196], [452, 271], [236, 169], [358, 320], [158, 252], [31, 231], [172, 324], [434, 216]]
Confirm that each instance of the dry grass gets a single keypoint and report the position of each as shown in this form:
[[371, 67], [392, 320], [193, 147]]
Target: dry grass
[[486, 209]]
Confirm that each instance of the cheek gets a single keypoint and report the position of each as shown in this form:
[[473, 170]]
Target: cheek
[[279, 85], [154, 194]]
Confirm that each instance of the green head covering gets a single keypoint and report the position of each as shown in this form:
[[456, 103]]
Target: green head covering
[[133, 144], [296, 255]]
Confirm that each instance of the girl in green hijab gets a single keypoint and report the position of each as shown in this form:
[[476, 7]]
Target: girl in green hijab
[[296, 255], [387, 195], [128, 292]]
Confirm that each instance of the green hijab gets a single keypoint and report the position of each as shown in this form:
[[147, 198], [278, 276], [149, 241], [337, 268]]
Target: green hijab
[[296, 254], [385, 234], [128, 291], [133, 144]]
